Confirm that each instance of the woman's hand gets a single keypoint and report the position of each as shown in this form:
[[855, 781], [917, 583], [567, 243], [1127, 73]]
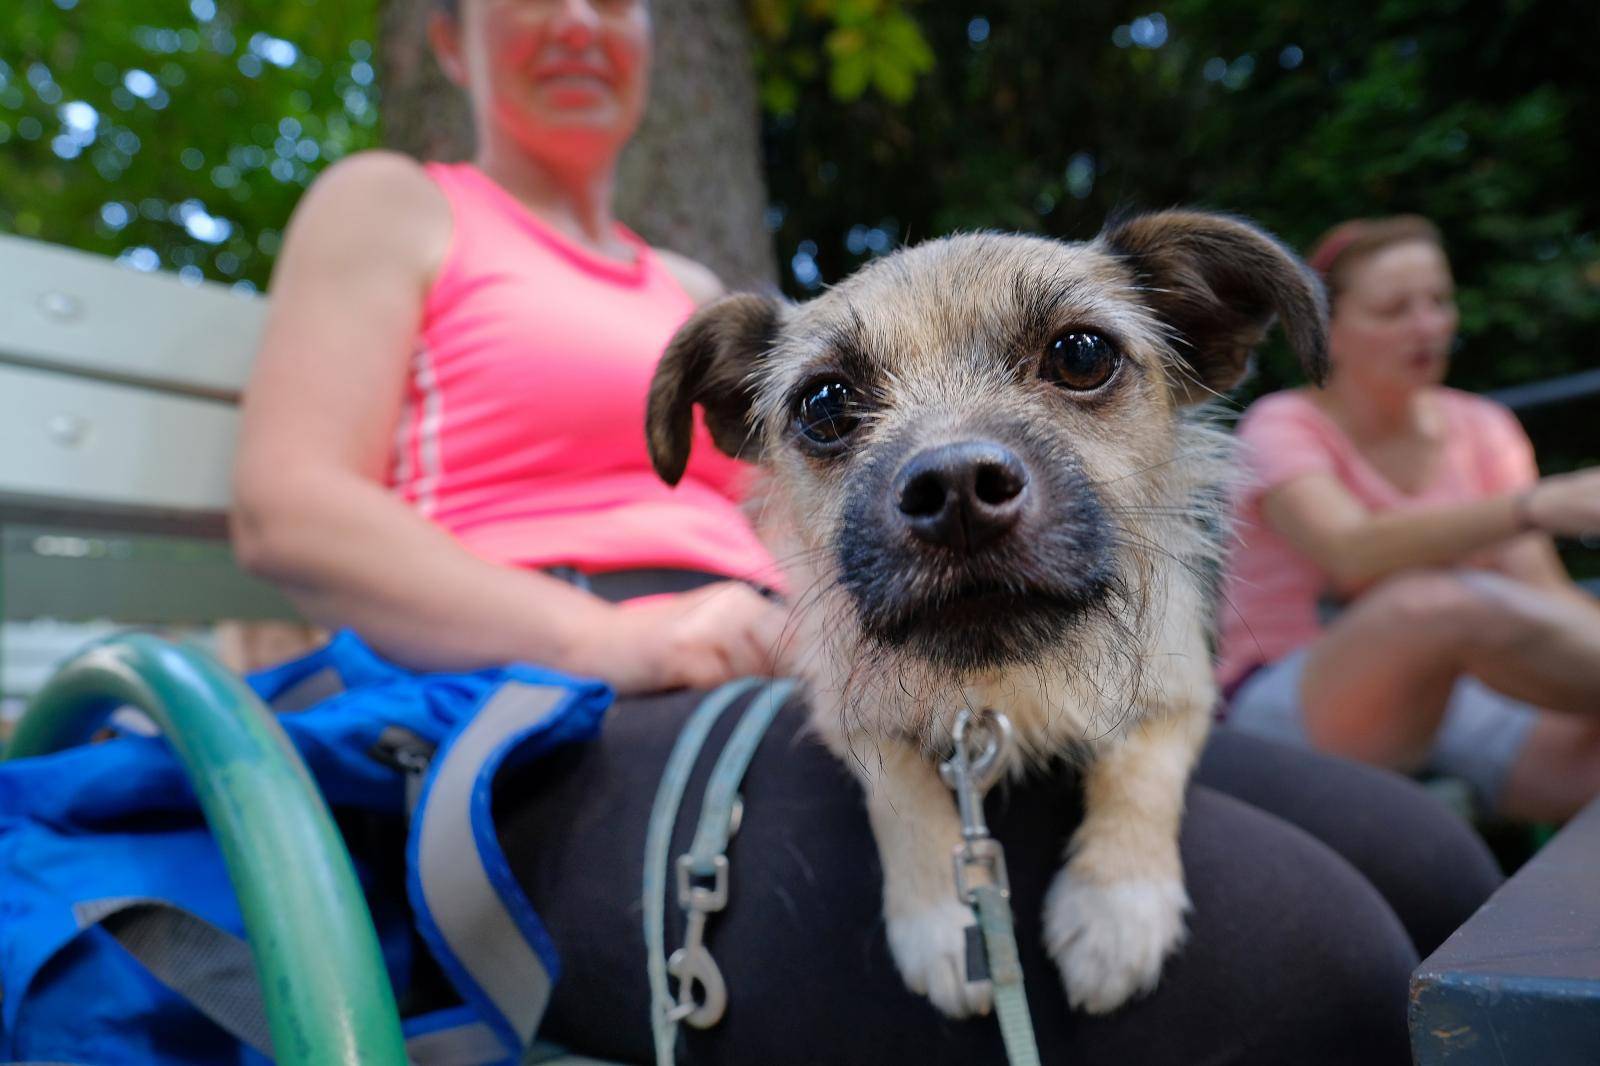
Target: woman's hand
[[696, 639], [1565, 505]]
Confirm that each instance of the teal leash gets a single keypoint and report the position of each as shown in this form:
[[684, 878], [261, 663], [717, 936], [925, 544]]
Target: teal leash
[[658, 839], [717, 819], [992, 952], [971, 774], [1005, 971], [692, 964]]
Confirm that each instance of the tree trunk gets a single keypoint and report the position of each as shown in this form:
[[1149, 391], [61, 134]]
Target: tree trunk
[[691, 180], [424, 115]]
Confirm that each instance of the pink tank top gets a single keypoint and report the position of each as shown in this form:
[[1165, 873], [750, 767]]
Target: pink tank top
[[522, 431]]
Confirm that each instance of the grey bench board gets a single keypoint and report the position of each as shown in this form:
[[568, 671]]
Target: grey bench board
[[118, 419], [78, 439], [83, 313], [81, 575]]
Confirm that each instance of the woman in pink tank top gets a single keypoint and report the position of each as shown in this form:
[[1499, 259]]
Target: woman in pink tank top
[[1467, 650], [450, 394]]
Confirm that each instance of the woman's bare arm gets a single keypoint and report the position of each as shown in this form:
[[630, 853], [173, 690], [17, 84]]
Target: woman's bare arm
[[1355, 547], [311, 509], [1533, 559]]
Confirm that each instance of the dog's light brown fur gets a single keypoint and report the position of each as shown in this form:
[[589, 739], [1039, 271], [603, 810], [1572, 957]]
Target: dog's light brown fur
[[945, 341]]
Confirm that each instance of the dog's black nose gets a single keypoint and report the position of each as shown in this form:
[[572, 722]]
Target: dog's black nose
[[962, 495]]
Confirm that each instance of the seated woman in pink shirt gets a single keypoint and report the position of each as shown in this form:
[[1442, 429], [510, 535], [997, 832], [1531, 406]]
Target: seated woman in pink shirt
[[1464, 649]]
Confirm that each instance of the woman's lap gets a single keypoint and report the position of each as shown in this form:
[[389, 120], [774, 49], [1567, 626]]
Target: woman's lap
[[1428, 863], [1478, 739], [1292, 956]]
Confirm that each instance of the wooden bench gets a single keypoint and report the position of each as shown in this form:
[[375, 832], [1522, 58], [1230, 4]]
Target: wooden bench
[[118, 409], [118, 414], [1520, 982]]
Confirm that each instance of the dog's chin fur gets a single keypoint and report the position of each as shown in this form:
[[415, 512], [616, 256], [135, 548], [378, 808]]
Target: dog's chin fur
[[982, 627], [1016, 605]]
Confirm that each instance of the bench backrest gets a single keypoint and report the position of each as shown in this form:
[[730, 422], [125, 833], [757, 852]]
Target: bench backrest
[[118, 414], [117, 388]]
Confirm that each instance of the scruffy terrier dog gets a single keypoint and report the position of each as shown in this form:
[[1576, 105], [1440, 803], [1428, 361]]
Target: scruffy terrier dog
[[989, 489]]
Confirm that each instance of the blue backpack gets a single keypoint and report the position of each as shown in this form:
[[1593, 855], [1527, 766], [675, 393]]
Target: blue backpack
[[120, 938]]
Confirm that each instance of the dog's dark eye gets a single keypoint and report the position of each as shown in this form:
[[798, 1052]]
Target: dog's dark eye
[[1080, 360], [826, 413]]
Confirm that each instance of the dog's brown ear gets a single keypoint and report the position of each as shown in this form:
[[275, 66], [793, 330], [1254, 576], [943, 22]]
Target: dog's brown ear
[[1219, 282], [709, 363]]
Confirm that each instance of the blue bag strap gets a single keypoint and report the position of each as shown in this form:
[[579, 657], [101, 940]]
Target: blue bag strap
[[470, 911], [208, 966]]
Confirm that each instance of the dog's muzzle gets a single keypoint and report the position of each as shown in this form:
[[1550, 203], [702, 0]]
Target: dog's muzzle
[[969, 556]]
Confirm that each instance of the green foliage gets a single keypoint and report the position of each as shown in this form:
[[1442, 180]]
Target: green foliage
[[869, 44], [1048, 118], [180, 136], [177, 136]]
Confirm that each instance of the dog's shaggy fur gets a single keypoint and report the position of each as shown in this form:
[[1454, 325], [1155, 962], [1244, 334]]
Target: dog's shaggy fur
[[1083, 611]]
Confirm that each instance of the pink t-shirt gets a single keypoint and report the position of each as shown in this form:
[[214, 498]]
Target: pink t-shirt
[[1272, 590], [522, 431]]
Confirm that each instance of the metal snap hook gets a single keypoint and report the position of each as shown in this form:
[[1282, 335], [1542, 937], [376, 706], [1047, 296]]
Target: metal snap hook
[[982, 749], [984, 762], [693, 965]]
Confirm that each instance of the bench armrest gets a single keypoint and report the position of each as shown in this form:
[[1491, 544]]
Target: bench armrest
[[326, 992]]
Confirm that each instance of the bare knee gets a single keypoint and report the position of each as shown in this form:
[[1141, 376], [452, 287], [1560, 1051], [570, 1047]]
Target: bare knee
[[1438, 605], [1469, 613], [1377, 685], [1508, 617]]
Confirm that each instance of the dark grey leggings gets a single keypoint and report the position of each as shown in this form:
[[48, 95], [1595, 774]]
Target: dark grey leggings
[[1315, 884]]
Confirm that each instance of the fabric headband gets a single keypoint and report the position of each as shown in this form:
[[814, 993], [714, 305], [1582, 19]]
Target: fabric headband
[[1334, 244]]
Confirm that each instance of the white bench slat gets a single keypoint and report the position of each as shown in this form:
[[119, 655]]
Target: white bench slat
[[93, 442], [81, 312]]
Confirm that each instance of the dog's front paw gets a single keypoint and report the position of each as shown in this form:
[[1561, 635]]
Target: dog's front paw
[[1110, 940], [930, 947]]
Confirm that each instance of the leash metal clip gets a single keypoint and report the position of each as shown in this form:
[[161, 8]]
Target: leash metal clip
[[692, 964], [983, 744]]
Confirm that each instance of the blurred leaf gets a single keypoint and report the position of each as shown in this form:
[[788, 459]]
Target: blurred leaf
[[845, 42], [868, 44], [849, 75]]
